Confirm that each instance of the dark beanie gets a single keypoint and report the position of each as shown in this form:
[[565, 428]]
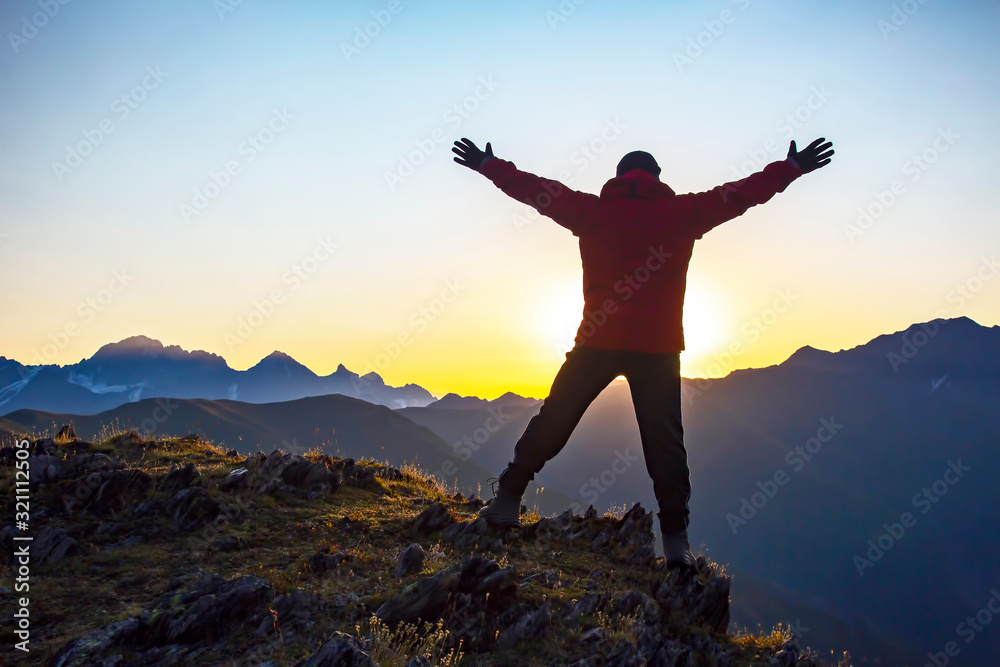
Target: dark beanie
[[638, 160]]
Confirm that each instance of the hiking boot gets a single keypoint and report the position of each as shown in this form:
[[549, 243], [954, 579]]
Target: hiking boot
[[503, 510], [677, 551]]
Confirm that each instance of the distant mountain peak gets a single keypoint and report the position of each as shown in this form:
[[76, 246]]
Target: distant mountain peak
[[810, 356], [279, 361], [130, 344], [144, 346]]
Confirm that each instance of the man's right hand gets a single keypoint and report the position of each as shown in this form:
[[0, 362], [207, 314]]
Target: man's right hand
[[812, 157], [469, 154]]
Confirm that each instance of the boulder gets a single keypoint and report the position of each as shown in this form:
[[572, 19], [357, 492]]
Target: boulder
[[411, 560], [341, 650], [178, 478]]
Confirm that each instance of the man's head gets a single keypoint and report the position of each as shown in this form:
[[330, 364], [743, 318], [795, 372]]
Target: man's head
[[638, 160]]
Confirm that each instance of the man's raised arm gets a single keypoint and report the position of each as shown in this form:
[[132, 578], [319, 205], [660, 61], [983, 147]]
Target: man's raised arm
[[569, 208], [731, 200]]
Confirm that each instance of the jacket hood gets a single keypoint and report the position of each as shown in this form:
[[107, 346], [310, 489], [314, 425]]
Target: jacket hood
[[636, 184]]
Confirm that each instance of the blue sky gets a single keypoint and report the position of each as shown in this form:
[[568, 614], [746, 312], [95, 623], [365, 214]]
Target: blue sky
[[559, 78]]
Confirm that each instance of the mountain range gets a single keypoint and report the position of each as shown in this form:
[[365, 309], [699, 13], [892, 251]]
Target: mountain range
[[140, 367], [833, 483]]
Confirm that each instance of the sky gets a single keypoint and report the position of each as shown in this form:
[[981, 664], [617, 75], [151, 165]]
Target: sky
[[248, 176]]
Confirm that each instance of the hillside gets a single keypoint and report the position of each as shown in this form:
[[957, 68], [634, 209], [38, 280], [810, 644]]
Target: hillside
[[333, 424], [177, 551], [902, 406]]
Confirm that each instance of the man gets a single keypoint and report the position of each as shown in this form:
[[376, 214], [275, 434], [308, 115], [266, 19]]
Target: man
[[636, 240]]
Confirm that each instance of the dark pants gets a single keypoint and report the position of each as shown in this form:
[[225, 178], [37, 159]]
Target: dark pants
[[655, 383]]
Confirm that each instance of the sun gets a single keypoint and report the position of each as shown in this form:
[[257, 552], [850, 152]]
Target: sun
[[559, 317], [560, 309], [703, 325]]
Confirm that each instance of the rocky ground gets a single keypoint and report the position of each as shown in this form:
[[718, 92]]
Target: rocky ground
[[178, 552]]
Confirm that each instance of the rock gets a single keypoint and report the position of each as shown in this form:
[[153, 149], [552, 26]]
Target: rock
[[91, 646], [584, 606], [303, 474], [696, 603], [453, 530], [324, 561], [235, 480], [85, 464], [642, 556], [528, 627], [428, 598], [364, 476], [129, 439], [45, 468], [67, 432], [432, 519], [788, 654], [228, 543], [639, 603], [280, 473], [603, 540], [51, 544], [635, 528], [593, 635], [194, 507], [232, 454], [119, 489], [348, 605], [45, 446], [207, 611], [411, 560], [625, 654], [293, 609], [495, 546], [178, 478], [341, 650]]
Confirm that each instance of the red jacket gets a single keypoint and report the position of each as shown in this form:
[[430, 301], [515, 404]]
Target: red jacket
[[635, 242]]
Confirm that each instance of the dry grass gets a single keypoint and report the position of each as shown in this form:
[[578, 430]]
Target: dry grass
[[108, 582]]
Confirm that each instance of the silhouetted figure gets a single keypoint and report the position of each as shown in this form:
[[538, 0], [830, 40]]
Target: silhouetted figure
[[636, 240]]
